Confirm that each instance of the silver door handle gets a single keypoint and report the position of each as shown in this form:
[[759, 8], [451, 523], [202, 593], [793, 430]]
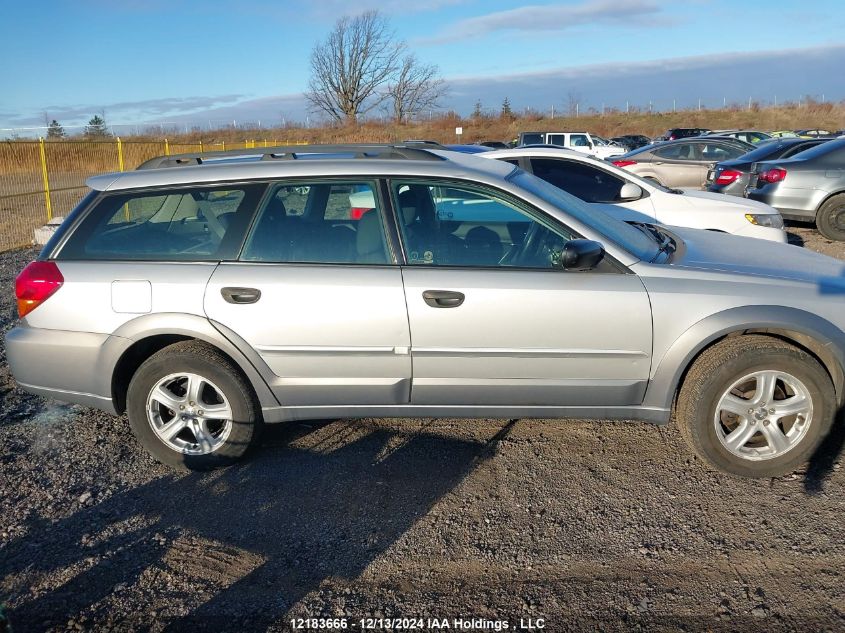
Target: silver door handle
[[240, 295], [443, 298]]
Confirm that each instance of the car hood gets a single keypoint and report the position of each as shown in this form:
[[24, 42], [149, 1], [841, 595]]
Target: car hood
[[720, 252], [709, 199]]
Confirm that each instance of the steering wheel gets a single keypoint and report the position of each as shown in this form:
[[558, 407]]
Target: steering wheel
[[529, 243]]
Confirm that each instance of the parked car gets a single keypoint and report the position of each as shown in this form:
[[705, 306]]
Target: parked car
[[814, 133], [494, 144], [676, 133], [809, 186], [749, 136], [631, 198], [632, 141], [731, 176], [578, 141], [208, 295], [784, 134], [682, 163]]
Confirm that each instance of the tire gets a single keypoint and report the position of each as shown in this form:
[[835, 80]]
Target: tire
[[746, 362], [830, 218], [198, 439], [653, 180]]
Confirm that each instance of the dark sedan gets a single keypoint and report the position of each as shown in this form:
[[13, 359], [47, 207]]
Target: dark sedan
[[809, 186], [631, 141], [731, 176]]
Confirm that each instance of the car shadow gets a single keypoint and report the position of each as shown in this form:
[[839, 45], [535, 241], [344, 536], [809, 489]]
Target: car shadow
[[823, 460], [316, 502], [794, 238]]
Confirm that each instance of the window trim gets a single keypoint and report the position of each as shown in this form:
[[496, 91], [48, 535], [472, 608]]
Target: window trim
[[524, 206]]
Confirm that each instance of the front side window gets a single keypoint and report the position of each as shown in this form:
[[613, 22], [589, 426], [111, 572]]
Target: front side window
[[457, 225], [586, 182], [319, 222], [579, 140], [186, 224]]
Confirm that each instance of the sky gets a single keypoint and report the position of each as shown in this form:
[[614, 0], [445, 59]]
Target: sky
[[207, 62]]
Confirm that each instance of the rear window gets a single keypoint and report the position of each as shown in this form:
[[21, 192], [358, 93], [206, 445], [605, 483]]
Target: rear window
[[185, 224], [834, 151]]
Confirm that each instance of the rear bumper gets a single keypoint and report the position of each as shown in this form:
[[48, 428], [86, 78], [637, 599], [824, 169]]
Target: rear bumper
[[63, 365], [793, 204]]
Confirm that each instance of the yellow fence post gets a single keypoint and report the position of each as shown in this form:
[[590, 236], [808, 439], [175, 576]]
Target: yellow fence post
[[119, 154], [46, 179], [201, 149], [224, 146], [166, 148]]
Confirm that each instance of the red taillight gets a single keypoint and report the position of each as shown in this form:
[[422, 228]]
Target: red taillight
[[772, 175], [727, 176], [355, 213], [36, 283], [624, 163]]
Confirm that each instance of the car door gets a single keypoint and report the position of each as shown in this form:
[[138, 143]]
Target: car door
[[494, 322], [678, 165], [319, 297], [593, 185]]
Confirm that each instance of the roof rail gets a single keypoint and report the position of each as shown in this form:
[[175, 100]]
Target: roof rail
[[404, 151]]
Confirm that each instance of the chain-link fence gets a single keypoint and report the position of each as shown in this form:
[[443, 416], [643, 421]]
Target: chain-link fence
[[41, 180]]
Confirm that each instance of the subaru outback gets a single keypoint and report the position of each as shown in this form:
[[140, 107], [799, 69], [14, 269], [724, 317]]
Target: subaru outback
[[206, 295]]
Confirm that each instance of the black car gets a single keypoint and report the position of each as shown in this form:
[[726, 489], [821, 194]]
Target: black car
[[631, 141], [682, 132], [493, 144], [731, 176]]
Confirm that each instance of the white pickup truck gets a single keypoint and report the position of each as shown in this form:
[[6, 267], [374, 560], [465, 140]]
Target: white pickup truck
[[579, 141]]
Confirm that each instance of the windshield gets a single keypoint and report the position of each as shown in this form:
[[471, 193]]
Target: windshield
[[627, 237]]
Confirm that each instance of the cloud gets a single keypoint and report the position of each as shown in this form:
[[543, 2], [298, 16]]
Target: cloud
[[810, 71], [801, 72], [554, 18], [122, 110]]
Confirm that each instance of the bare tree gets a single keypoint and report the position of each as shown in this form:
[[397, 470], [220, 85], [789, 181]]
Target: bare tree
[[416, 87], [350, 67]]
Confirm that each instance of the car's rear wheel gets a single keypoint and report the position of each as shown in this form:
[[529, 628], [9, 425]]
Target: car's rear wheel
[[755, 406], [830, 218], [190, 407]]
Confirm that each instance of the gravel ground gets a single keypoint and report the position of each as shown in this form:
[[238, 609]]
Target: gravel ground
[[587, 525]]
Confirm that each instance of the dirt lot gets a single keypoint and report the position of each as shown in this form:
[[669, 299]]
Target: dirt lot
[[587, 525]]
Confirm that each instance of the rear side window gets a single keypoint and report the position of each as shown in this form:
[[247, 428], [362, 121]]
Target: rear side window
[[677, 151], [587, 182], [717, 152], [321, 223], [185, 224]]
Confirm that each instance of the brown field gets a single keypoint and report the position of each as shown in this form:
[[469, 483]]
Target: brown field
[[71, 161]]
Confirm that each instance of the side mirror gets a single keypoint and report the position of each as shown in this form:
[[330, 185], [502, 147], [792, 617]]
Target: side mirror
[[630, 191], [580, 255]]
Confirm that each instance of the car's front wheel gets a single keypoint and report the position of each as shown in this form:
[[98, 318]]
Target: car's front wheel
[[190, 407], [755, 406]]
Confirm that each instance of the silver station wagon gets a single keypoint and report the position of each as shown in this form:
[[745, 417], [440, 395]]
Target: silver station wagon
[[206, 295]]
